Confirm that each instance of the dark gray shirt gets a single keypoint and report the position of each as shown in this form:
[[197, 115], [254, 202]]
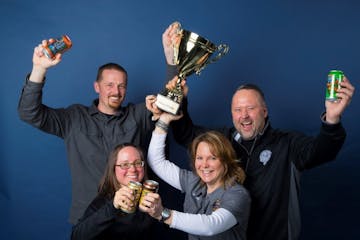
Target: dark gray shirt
[[89, 136], [235, 199]]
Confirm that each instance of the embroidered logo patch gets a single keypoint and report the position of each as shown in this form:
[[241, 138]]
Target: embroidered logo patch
[[265, 156], [216, 205]]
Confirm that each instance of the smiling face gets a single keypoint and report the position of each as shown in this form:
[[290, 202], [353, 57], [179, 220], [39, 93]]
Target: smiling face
[[130, 155], [208, 166], [111, 88], [249, 112]]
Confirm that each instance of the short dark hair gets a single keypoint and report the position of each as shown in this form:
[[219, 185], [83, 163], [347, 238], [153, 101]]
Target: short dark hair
[[251, 86], [109, 66]]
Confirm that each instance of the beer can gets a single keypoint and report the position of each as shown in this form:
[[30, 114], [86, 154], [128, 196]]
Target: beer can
[[149, 186], [137, 188], [60, 45], [333, 84]]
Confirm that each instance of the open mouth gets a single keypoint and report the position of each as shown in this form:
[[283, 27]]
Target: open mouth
[[246, 125]]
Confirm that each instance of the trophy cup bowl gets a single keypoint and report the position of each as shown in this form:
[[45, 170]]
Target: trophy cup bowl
[[191, 56]]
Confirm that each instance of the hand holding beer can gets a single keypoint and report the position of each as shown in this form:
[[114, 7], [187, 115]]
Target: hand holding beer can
[[60, 45], [136, 187], [335, 77], [148, 186]]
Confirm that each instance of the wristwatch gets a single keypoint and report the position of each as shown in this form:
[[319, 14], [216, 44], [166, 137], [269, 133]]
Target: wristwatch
[[165, 214]]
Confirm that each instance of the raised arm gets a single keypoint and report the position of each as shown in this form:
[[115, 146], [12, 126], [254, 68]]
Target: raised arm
[[41, 63], [165, 169], [310, 151], [334, 109], [30, 107]]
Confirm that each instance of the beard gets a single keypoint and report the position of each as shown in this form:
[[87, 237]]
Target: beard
[[248, 134], [115, 104]]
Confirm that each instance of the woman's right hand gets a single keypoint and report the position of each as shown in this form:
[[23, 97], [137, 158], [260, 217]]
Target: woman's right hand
[[124, 198]]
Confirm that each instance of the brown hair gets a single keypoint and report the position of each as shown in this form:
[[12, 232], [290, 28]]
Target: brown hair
[[109, 184], [109, 66], [220, 147]]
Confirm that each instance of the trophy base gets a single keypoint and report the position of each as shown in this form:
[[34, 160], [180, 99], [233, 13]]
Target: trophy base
[[166, 104]]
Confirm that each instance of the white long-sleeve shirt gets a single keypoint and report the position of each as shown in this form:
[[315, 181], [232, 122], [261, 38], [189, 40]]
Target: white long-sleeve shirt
[[206, 214]]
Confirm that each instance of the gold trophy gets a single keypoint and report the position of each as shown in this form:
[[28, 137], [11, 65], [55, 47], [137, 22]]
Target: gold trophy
[[191, 55]]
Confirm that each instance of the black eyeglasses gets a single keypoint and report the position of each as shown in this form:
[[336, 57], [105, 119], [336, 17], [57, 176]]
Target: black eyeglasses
[[127, 165]]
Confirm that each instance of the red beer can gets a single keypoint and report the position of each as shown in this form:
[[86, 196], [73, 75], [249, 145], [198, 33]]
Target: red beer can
[[60, 45]]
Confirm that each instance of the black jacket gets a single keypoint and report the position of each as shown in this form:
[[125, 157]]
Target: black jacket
[[102, 220], [273, 163]]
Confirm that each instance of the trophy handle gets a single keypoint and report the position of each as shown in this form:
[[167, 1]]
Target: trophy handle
[[222, 49]]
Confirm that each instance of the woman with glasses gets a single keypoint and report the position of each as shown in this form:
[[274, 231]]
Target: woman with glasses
[[107, 217], [216, 204]]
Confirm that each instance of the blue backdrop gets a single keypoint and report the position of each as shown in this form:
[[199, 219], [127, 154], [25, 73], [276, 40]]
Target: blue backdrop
[[286, 47]]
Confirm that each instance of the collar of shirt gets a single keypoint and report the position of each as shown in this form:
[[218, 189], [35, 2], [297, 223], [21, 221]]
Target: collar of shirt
[[94, 110]]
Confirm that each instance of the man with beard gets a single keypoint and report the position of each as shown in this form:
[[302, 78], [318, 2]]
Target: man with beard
[[272, 158], [89, 132]]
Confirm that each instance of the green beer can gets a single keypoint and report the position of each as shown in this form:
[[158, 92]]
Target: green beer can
[[335, 77]]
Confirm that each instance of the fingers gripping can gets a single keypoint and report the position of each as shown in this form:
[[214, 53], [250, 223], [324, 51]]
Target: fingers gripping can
[[60, 45], [335, 77], [148, 186], [137, 188]]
